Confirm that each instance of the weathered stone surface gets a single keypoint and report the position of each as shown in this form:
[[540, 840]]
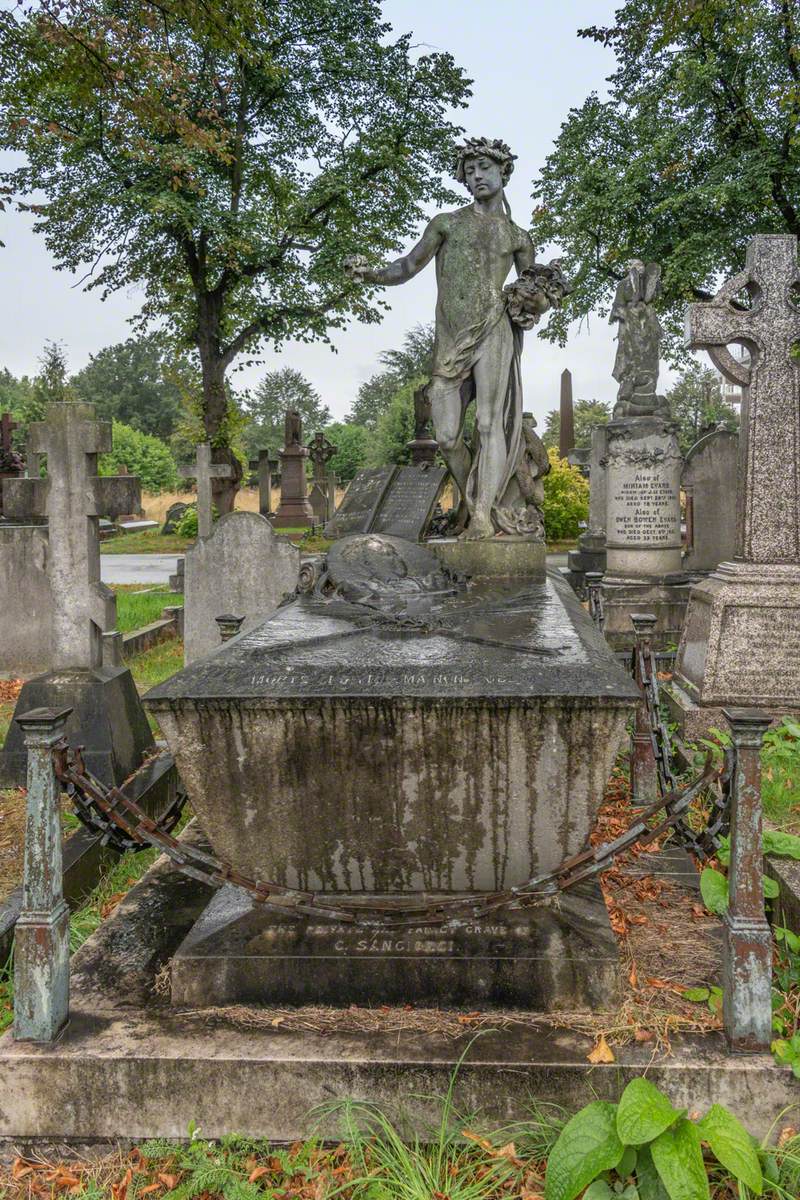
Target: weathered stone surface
[[561, 956], [665, 599], [25, 600], [107, 1076], [294, 510], [709, 483], [397, 501], [741, 642], [591, 552], [638, 341], [338, 749], [242, 568], [493, 558], [361, 502], [643, 518]]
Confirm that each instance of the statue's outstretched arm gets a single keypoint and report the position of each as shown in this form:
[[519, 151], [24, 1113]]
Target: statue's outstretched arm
[[402, 269]]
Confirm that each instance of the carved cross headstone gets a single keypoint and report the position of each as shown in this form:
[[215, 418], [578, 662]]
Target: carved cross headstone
[[768, 500], [204, 471], [73, 497], [320, 451]]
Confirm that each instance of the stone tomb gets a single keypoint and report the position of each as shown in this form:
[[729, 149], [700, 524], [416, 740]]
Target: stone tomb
[[709, 485], [393, 732], [242, 568], [397, 501]]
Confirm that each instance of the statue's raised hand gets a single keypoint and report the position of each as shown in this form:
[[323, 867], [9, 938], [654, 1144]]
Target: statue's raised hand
[[357, 268]]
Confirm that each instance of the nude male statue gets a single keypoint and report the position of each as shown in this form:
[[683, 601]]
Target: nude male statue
[[479, 327]]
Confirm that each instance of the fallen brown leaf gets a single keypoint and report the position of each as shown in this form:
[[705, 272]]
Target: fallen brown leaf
[[602, 1052], [257, 1174]]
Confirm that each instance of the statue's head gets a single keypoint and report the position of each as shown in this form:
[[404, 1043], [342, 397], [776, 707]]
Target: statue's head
[[484, 166]]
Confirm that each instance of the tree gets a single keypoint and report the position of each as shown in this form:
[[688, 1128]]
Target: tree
[[266, 408], [225, 158], [566, 499], [394, 429], [412, 361], [696, 403], [352, 448], [142, 455], [16, 397], [137, 382], [587, 414], [695, 150]]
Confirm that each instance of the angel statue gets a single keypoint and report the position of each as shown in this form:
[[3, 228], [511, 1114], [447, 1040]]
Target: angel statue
[[638, 341], [478, 342]]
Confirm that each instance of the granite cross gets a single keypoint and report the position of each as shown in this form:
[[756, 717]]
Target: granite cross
[[204, 471], [73, 497], [768, 499], [320, 451]]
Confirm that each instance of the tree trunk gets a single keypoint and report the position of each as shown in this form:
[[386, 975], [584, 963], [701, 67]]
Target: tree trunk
[[215, 411]]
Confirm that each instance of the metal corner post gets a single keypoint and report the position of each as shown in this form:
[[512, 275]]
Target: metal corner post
[[747, 960], [41, 945]]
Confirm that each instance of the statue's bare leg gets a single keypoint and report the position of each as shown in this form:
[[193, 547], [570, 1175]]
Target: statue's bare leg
[[491, 385], [448, 425]]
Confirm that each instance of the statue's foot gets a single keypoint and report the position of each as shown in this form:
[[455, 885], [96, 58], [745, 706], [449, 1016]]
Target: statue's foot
[[478, 529]]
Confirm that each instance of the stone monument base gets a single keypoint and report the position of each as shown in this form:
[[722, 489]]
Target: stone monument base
[[505, 557], [107, 719], [558, 957], [666, 598], [589, 556], [740, 645]]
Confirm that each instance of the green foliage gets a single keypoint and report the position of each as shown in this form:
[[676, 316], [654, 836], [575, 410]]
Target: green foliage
[[644, 1149], [135, 608], [586, 413], [352, 444], [265, 410], [566, 499], [695, 150], [697, 405], [394, 428], [225, 159], [186, 527], [714, 890], [412, 362], [143, 455], [139, 382], [16, 397]]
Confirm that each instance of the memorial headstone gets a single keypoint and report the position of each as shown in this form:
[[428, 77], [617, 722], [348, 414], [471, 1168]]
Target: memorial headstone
[[174, 514], [398, 501], [708, 483], [294, 510], [265, 467], [11, 462], [243, 567], [321, 451], [591, 552], [107, 715], [644, 569], [566, 426], [741, 643]]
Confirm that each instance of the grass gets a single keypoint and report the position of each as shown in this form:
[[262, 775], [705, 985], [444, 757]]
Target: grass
[[138, 607], [150, 541], [157, 664]]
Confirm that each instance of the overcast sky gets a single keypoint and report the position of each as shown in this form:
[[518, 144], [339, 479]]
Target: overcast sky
[[529, 68]]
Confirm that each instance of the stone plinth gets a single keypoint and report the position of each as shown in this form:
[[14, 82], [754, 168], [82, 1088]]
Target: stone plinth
[[591, 552], [709, 482], [563, 957], [666, 599], [495, 558], [294, 510], [25, 600]]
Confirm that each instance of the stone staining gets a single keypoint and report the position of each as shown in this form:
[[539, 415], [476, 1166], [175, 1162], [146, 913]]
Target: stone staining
[[741, 643]]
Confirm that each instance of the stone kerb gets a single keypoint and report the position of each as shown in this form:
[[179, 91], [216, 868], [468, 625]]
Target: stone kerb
[[242, 567]]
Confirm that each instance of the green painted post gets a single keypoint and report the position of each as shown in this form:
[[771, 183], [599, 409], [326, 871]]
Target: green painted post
[[41, 938]]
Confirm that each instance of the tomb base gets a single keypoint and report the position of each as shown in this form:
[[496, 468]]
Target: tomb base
[[492, 558], [589, 556], [558, 957], [107, 720], [665, 598]]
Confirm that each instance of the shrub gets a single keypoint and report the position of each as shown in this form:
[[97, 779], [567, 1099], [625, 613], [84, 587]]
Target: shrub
[[142, 455], [352, 445], [566, 499]]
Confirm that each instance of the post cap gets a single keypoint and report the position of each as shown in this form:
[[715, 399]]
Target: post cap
[[754, 720], [643, 620], [593, 576], [42, 718], [228, 625]]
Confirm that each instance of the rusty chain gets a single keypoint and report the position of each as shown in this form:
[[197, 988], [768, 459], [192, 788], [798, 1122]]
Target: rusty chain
[[123, 823]]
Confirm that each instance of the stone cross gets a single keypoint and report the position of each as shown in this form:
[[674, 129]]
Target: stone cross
[[73, 497], [7, 426], [566, 429], [204, 471], [320, 452], [768, 500]]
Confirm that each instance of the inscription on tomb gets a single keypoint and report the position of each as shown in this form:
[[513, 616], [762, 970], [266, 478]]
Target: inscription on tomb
[[423, 940], [643, 511], [749, 669], [360, 504], [408, 504]]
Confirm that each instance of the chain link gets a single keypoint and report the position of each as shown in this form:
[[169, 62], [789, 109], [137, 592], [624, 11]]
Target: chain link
[[122, 823]]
